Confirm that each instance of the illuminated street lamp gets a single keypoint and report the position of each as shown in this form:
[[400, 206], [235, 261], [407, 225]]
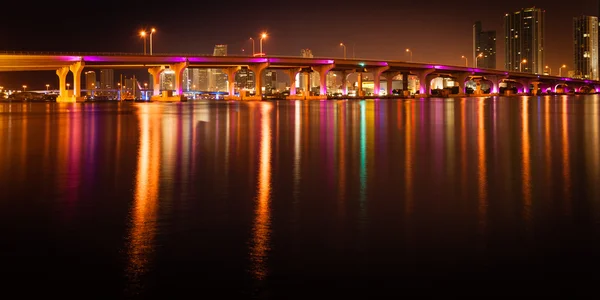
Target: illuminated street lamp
[[342, 44], [253, 52], [409, 51], [524, 61], [477, 59], [68, 85], [262, 37], [143, 35], [47, 86], [153, 30], [560, 70], [549, 70], [466, 62], [24, 87]]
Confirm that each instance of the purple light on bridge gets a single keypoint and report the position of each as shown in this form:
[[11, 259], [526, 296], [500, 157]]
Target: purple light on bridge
[[69, 58], [94, 58], [494, 90]]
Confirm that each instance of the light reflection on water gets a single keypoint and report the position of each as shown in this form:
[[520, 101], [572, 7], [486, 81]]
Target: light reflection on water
[[265, 197]]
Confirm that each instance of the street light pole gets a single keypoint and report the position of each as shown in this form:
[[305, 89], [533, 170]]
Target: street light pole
[[252, 46], [560, 70], [477, 59], [262, 36], [409, 51], [549, 70], [342, 44], [466, 62], [143, 35], [153, 30], [521, 65], [47, 87]]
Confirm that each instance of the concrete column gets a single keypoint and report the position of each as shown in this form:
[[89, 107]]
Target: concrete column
[[478, 87], [495, 80], [461, 78], [62, 82], [345, 81], [424, 84], [535, 87], [76, 69], [178, 69], [525, 83], [258, 69], [377, 79], [306, 86], [155, 72], [389, 77], [231, 80], [323, 70], [405, 81], [360, 92], [292, 74]]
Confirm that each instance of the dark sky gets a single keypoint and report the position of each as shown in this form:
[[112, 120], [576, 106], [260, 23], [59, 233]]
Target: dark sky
[[435, 31]]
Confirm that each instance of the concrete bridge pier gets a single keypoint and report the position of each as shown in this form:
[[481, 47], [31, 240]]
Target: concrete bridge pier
[[345, 81], [323, 70], [231, 82], [389, 77], [377, 79], [424, 82], [292, 74], [461, 78], [155, 72], [258, 70], [62, 82], [76, 69], [178, 69]]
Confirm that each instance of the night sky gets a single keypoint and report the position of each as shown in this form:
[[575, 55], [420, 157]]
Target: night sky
[[435, 31]]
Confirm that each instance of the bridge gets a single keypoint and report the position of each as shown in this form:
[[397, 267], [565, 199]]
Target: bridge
[[63, 63]]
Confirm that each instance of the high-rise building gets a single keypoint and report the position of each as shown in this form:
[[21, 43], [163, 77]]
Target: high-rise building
[[524, 36], [217, 79], [107, 79], [167, 80], [585, 47], [314, 76], [484, 43], [90, 81], [270, 80], [244, 79]]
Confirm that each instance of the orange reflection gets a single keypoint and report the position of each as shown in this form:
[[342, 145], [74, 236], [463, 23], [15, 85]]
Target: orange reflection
[[297, 149], [481, 162], [408, 163], [548, 146], [23, 150], [341, 130], [565, 154], [463, 147], [262, 223], [526, 163], [592, 148], [144, 210]]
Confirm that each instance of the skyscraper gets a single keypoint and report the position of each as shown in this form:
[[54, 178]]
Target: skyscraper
[[244, 79], [217, 79], [484, 42], [585, 47], [167, 80], [107, 79], [524, 40], [314, 76], [90, 81]]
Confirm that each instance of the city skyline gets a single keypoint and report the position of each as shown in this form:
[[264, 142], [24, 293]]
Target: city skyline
[[441, 35]]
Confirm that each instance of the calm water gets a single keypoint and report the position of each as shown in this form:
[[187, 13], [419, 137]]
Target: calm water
[[290, 199]]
